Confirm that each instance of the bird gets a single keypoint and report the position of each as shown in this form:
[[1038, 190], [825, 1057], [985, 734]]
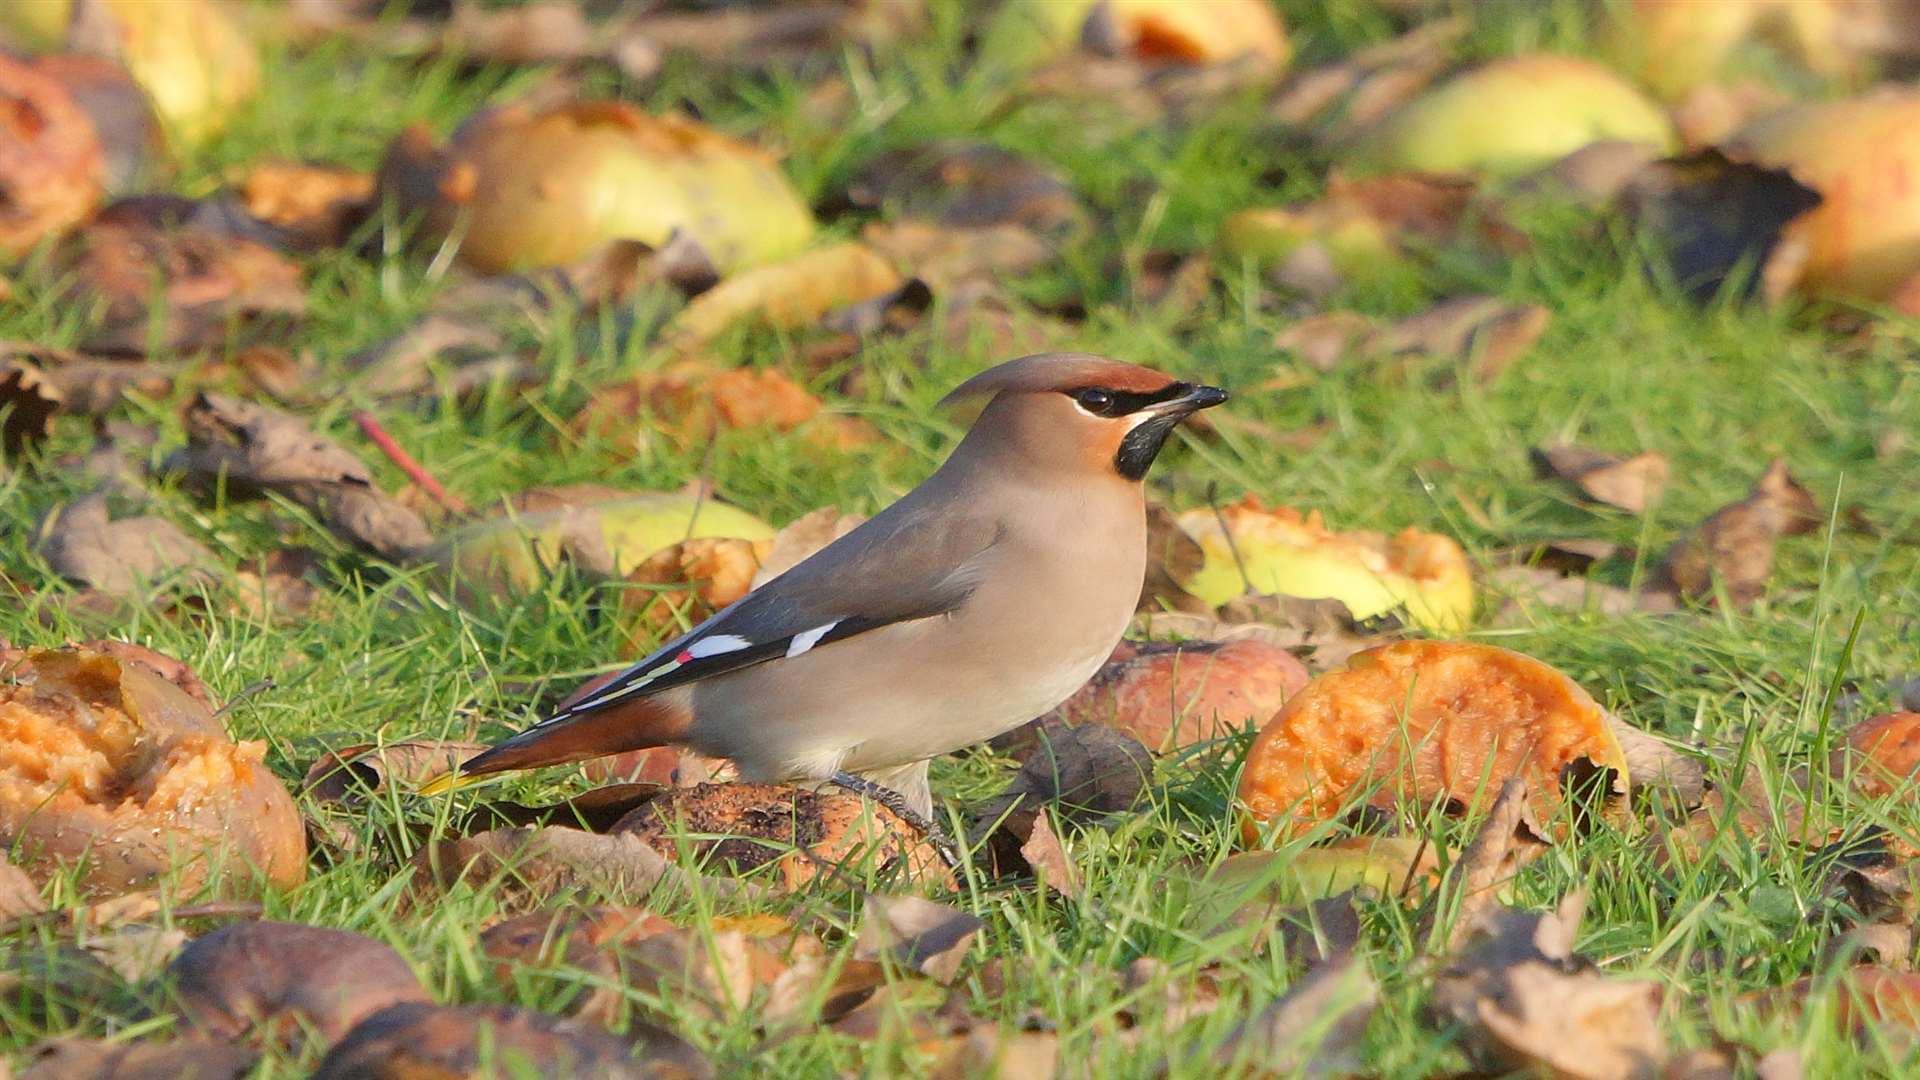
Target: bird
[[976, 602]]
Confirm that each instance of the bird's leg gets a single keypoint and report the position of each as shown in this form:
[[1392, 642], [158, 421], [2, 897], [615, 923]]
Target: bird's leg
[[897, 803]]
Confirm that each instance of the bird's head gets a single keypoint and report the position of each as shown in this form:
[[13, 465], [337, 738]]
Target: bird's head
[[1079, 410]]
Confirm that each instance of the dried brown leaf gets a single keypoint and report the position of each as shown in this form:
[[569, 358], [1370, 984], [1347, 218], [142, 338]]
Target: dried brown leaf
[[258, 448], [1526, 1001], [1507, 841], [355, 772], [917, 935], [315, 206], [99, 1059], [966, 185], [267, 980], [1316, 1029], [87, 547], [19, 896], [1631, 484], [418, 1040], [1049, 859], [1733, 549]]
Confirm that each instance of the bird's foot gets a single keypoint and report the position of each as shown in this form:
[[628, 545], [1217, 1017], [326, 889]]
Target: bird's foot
[[894, 801]]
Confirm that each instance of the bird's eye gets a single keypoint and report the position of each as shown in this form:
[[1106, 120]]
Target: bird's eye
[[1096, 402]]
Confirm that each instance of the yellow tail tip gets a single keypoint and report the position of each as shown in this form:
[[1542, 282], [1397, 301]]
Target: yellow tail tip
[[453, 781]]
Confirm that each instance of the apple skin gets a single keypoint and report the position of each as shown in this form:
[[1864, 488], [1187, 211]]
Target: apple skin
[[1516, 115]]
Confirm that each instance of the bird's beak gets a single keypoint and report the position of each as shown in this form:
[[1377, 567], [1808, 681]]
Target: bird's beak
[[1195, 399]]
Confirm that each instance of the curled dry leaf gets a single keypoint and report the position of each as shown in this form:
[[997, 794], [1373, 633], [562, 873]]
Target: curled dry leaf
[[599, 538], [51, 163], [38, 383], [266, 981], [19, 896], [1048, 858], [918, 935], [1508, 839], [1733, 549], [210, 282], [1883, 754], [1171, 695], [540, 862], [802, 834], [108, 765], [471, 1042], [1088, 772], [258, 448], [358, 771], [99, 1059], [1315, 1030], [529, 187], [1422, 721], [796, 292], [1630, 484], [773, 37], [1527, 1002], [692, 401], [1250, 547], [682, 585], [316, 206], [87, 547], [945, 257], [967, 185], [1484, 332]]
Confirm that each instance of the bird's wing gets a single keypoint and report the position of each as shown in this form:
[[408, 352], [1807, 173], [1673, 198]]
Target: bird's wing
[[881, 573]]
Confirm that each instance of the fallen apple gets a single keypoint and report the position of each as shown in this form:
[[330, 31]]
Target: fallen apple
[[51, 162], [192, 57], [1250, 547], [1515, 115], [1168, 30], [106, 765], [1676, 45], [1860, 154], [526, 187], [608, 539], [1427, 721]]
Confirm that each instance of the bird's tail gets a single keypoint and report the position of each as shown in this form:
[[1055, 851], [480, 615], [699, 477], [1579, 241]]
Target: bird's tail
[[570, 736]]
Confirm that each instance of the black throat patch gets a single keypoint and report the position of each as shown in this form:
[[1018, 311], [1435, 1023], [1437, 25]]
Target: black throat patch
[[1143, 444]]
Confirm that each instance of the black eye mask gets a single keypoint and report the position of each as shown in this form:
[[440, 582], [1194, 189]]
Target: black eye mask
[[1101, 401]]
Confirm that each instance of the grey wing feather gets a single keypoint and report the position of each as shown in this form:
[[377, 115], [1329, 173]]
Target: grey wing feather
[[884, 572]]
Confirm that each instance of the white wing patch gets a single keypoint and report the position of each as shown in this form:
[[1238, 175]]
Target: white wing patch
[[807, 639], [715, 645]]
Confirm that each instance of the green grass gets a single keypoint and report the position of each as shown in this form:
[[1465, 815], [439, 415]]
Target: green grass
[[1625, 365]]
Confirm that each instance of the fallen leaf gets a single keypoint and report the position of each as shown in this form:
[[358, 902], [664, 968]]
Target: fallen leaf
[[38, 383], [144, 781], [358, 771], [1316, 1029], [1882, 754], [99, 1059], [1325, 339], [1733, 549], [316, 206], [987, 1050], [1526, 1001], [777, 37], [802, 834], [1369, 82], [167, 287], [542, 32], [540, 862], [1485, 331], [691, 401], [1049, 860], [51, 163], [19, 896], [793, 293], [1174, 695], [60, 985], [266, 981], [1508, 839], [966, 185], [1596, 174], [256, 448], [1087, 772], [469, 1042], [945, 257], [681, 586], [1631, 484], [1172, 556], [917, 935], [1422, 721], [87, 547]]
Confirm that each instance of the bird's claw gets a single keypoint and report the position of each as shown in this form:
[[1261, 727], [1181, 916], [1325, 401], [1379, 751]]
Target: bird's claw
[[894, 801]]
